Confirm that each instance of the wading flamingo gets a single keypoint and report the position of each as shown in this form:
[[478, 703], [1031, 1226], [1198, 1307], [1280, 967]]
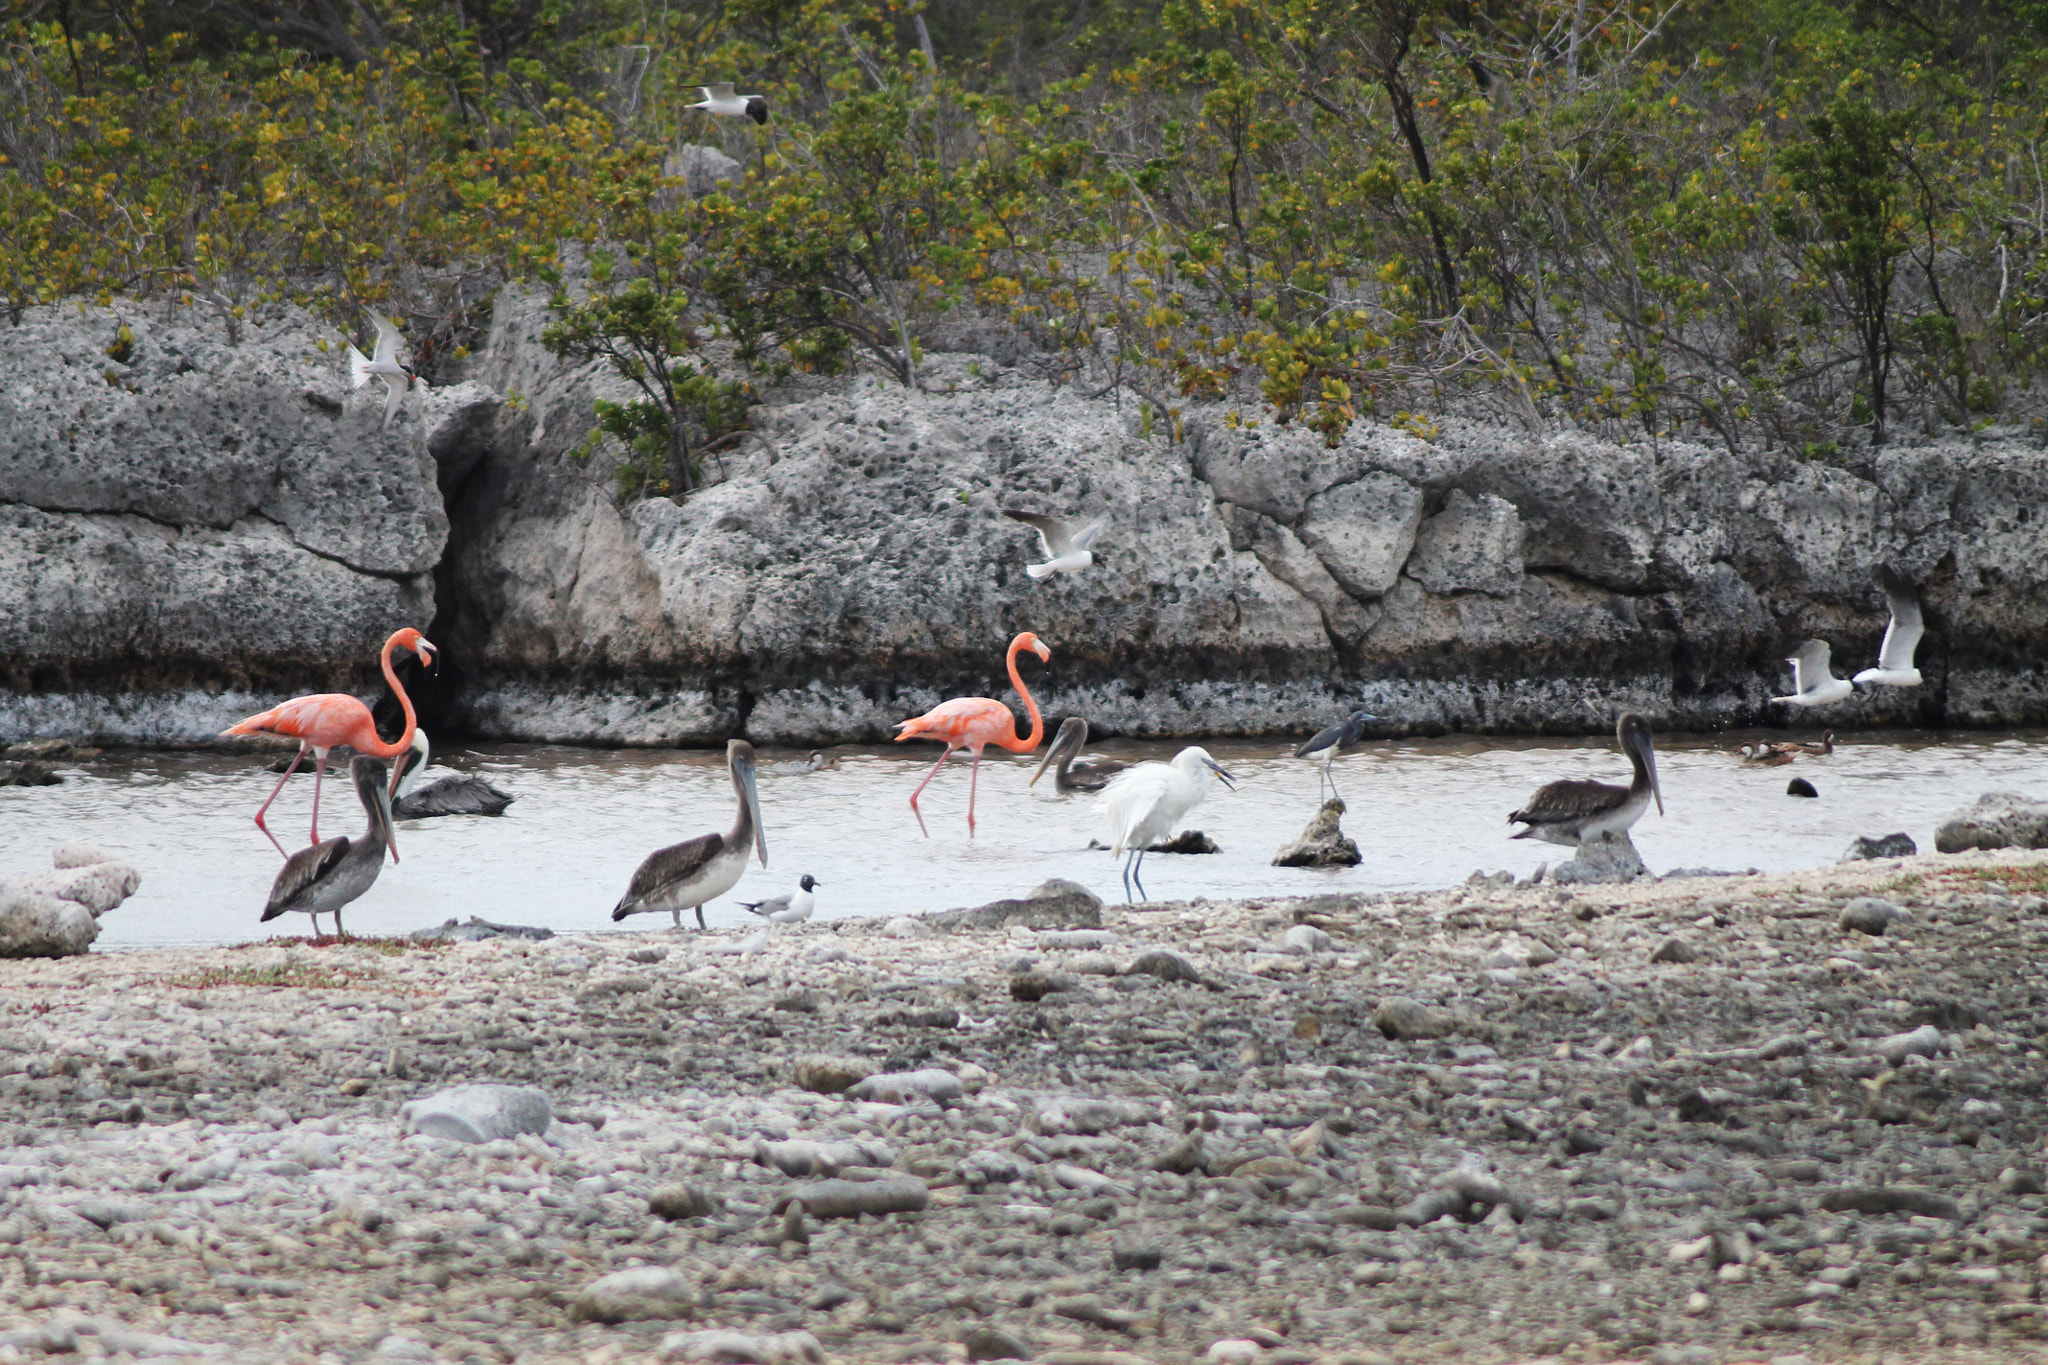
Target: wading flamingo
[[322, 879], [975, 723], [328, 720]]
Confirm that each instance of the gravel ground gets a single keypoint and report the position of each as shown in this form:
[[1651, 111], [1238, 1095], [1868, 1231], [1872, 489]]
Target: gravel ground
[[1687, 1121]]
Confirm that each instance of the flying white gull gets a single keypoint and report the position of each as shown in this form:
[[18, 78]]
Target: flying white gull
[[1066, 550], [719, 99], [1813, 680], [397, 378], [1902, 637]]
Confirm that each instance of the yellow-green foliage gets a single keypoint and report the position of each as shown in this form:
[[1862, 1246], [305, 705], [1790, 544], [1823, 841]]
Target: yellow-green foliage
[[1650, 220]]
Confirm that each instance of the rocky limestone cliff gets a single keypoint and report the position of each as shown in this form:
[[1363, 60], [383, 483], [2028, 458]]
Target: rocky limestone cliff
[[852, 567]]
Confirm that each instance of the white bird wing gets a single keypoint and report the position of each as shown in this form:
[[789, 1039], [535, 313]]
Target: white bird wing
[[358, 368], [1810, 667], [1053, 534], [1085, 537], [720, 90], [1131, 799], [1902, 636], [387, 340], [394, 394]]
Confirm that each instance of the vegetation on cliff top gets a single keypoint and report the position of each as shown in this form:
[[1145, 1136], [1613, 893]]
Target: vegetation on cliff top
[[1795, 223]]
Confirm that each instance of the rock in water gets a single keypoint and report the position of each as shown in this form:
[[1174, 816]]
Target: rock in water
[[1799, 786], [1322, 843], [1998, 820], [1187, 841], [479, 1113], [27, 774], [56, 914], [1890, 846], [1612, 859]]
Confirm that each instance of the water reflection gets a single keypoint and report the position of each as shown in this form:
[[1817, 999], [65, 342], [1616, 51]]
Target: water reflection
[[1424, 814]]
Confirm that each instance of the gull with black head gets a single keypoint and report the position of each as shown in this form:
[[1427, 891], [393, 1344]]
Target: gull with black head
[[720, 100], [791, 908], [684, 876]]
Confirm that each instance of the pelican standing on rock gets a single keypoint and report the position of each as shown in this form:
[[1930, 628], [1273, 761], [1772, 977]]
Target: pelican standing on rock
[[1575, 810], [1813, 680], [455, 794], [974, 723], [719, 99], [1144, 803], [684, 876], [1901, 637], [1066, 550], [1070, 776], [398, 378], [1326, 743], [322, 878], [792, 908]]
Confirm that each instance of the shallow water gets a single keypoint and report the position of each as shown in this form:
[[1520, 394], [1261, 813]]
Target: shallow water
[[1425, 814]]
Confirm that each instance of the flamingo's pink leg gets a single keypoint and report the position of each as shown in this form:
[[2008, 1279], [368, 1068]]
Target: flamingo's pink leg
[[296, 761], [973, 778], [926, 783], [319, 771]]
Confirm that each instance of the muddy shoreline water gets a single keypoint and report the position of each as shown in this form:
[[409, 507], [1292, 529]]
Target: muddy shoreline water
[[1686, 1121]]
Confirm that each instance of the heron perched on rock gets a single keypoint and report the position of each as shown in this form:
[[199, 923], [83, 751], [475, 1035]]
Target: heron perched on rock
[[324, 877], [1145, 802], [1575, 810], [1895, 666], [684, 876], [1326, 743], [1070, 776], [1813, 680]]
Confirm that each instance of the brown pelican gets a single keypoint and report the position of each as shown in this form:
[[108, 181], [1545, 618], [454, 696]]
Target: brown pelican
[[684, 876], [1895, 656], [1326, 743], [456, 794], [1069, 777], [328, 875], [793, 907], [818, 762], [1573, 811], [1813, 679]]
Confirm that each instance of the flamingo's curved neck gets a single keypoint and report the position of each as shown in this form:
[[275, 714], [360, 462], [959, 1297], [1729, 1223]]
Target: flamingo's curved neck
[[404, 740], [1030, 741]]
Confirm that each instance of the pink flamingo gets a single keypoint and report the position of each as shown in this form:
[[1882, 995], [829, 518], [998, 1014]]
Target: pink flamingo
[[975, 723], [327, 720]]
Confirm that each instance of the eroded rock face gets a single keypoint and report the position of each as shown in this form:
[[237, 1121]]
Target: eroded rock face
[[1997, 820], [56, 913], [243, 529]]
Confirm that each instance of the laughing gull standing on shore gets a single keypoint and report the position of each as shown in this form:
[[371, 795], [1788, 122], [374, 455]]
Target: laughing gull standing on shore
[[1901, 638], [793, 907], [1066, 550], [1813, 680], [719, 99]]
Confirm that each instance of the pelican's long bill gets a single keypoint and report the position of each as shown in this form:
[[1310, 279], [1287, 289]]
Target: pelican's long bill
[[1217, 768], [1639, 740], [743, 768], [1069, 734], [370, 781]]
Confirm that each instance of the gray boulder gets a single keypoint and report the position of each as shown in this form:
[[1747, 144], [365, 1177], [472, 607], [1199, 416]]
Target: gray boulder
[[1322, 843], [56, 913], [1997, 820], [642, 1293], [1610, 859], [478, 1113], [1864, 847]]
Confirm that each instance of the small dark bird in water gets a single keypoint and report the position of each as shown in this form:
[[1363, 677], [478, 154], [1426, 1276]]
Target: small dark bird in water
[[456, 794], [1767, 755], [1328, 742], [1799, 786], [1070, 776], [818, 762], [1574, 810], [324, 877], [1825, 747], [684, 876]]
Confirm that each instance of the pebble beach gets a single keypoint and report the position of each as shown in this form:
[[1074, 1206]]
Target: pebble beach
[[1685, 1121]]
